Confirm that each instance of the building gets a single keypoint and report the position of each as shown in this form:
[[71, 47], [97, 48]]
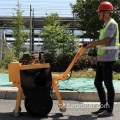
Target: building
[[3, 44], [38, 23]]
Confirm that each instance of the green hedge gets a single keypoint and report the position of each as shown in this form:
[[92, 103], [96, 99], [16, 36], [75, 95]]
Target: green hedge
[[116, 66], [9, 56], [85, 61], [60, 64]]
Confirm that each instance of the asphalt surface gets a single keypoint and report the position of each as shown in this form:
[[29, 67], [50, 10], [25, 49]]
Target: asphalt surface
[[75, 111]]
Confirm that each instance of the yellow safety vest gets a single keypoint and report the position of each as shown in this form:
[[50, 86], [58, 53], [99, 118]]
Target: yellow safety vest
[[101, 48]]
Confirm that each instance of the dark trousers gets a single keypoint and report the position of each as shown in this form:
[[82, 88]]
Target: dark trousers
[[104, 73]]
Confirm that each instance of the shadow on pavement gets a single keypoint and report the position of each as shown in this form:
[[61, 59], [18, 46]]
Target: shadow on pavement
[[56, 116], [22, 116]]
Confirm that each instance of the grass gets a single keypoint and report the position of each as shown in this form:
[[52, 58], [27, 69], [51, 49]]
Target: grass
[[86, 74], [76, 74], [2, 70]]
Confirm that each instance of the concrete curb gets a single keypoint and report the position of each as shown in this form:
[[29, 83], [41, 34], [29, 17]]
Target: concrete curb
[[11, 93]]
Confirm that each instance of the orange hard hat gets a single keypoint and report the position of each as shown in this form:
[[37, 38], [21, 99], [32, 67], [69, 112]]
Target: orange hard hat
[[105, 6]]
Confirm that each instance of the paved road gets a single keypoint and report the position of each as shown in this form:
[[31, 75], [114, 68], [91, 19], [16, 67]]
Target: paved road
[[75, 111]]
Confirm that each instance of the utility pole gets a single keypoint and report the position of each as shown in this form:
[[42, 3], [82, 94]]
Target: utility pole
[[73, 26], [33, 31], [30, 28]]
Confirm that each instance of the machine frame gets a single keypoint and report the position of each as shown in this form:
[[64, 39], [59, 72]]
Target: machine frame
[[14, 76]]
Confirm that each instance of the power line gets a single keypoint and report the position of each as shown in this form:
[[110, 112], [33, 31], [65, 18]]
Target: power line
[[40, 1], [40, 10]]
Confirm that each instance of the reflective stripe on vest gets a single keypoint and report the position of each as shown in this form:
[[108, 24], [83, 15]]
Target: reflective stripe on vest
[[109, 48], [102, 36]]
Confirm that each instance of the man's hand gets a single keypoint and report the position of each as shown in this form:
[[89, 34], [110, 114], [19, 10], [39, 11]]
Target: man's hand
[[84, 44], [80, 45]]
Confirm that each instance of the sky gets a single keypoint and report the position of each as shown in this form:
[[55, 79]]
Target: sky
[[41, 7]]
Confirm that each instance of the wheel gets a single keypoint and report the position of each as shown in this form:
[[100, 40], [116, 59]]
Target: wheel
[[19, 111], [38, 108], [62, 109]]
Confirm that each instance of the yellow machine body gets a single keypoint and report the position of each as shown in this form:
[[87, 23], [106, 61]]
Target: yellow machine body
[[15, 67], [14, 72]]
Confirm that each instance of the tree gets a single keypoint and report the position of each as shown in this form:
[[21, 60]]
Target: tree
[[89, 22], [56, 37], [18, 32]]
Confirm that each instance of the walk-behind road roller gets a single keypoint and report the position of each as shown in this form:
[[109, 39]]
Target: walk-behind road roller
[[36, 82]]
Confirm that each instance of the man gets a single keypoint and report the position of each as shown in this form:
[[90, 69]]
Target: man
[[107, 54]]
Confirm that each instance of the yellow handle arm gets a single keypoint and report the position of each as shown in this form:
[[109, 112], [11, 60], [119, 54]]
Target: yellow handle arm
[[80, 52]]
